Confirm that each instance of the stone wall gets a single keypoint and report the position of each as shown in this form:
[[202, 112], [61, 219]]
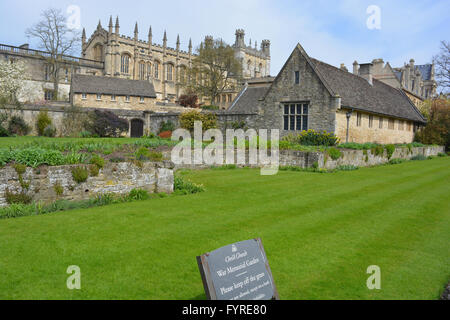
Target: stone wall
[[118, 178]]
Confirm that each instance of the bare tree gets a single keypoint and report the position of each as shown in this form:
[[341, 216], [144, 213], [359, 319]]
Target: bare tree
[[57, 39], [442, 63]]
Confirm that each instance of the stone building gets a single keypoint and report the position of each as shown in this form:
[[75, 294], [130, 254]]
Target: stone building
[[165, 67], [416, 80], [38, 85], [310, 94]]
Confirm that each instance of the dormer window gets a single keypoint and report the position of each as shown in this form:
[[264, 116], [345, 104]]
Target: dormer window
[[84, 96], [142, 100], [127, 98], [99, 96], [113, 97]]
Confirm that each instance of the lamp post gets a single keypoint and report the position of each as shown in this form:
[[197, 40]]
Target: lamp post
[[348, 115]]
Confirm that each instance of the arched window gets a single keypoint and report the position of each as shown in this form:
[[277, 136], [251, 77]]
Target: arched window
[[260, 67], [125, 63], [169, 72], [182, 74], [249, 65], [156, 68], [142, 70], [149, 70]]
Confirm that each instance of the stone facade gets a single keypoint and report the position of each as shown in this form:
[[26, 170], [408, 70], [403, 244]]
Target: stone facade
[[373, 128], [166, 67], [118, 178], [113, 101]]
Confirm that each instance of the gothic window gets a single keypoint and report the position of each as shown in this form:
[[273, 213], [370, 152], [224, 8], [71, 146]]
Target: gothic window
[[141, 70], [370, 121], [182, 74], [125, 64], [156, 69], [249, 65], [47, 72], [297, 77], [48, 95], [358, 119], [296, 116], [169, 72], [98, 52]]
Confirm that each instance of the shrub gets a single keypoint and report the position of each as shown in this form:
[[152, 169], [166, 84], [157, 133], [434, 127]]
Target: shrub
[[419, 157], [18, 126], [187, 119], [85, 134], [166, 126], [377, 150], [334, 153], [34, 157], [238, 124], [80, 174], [138, 194], [185, 186], [20, 197], [396, 161], [93, 170], [347, 167], [390, 148], [357, 146], [441, 154], [3, 132], [117, 159], [20, 168], [106, 124], [97, 161], [42, 122], [59, 190], [155, 156], [312, 138], [437, 130], [49, 131], [188, 100]]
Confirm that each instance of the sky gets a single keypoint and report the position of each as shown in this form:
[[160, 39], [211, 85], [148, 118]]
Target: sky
[[339, 31]]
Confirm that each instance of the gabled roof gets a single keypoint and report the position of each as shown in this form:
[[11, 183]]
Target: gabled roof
[[108, 85], [248, 99], [425, 71], [357, 93]]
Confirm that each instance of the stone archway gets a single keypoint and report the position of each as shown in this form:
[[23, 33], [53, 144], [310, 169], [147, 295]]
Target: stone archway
[[136, 128]]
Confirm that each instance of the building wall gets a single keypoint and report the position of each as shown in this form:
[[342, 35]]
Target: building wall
[[322, 106], [363, 133], [119, 103]]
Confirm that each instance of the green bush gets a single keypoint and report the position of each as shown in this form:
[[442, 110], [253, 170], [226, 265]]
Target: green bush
[[155, 156], [85, 134], [80, 174], [34, 157], [187, 119], [98, 161], [20, 197], [441, 154], [42, 122], [390, 148], [334, 153], [377, 150], [166, 126], [20, 168], [59, 190], [347, 167], [3, 131], [18, 126], [138, 194], [312, 138], [93, 170], [396, 161], [210, 107], [185, 186], [419, 157], [357, 146], [49, 131]]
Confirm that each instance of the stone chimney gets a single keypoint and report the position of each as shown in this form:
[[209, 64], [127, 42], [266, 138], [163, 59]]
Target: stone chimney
[[343, 67], [355, 67], [240, 34], [365, 71]]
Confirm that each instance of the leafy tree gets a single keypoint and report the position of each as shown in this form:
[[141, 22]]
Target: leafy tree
[[442, 63], [437, 130], [214, 69], [188, 100], [57, 39]]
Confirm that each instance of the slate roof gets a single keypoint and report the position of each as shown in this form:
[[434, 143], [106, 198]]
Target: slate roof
[[108, 85], [425, 70], [357, 93], [248, 99]]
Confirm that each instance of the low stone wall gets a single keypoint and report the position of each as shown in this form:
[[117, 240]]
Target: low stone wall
[[360, 158], [308, 159], [119, 178]]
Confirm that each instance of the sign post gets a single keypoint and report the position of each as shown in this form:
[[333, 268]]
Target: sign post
[[239, 271]]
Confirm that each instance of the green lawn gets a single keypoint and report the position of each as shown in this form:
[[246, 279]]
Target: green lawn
[[320, 232]]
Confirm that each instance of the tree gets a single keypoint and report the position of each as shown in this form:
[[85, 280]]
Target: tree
[[437, 130], [57, 39], [442, 64], [214, 69], [106, 124], [11, 80]]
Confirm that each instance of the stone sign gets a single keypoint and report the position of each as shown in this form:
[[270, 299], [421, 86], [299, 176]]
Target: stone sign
[[239, 271]]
